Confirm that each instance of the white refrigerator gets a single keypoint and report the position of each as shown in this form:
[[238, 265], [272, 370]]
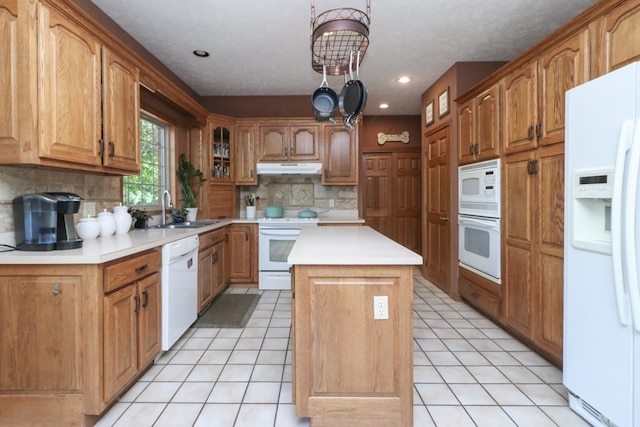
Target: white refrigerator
[[601, 366]]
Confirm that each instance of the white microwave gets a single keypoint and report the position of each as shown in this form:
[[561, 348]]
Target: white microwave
[[479, 189]]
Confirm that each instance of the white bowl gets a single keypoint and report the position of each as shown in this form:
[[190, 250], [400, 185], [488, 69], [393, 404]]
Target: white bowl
[[88, 228]]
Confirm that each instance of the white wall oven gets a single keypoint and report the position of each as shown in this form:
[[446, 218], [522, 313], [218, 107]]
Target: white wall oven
[[276, 238], [479, 218]]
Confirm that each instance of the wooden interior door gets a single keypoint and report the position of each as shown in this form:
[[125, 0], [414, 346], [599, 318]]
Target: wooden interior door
[[376, 197], [406, 200], [438, 223]]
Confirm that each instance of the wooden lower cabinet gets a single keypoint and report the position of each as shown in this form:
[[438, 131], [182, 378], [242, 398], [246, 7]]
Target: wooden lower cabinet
[[243, 253], [349, 369], [74, 337], [533, 235], [213, 266], [479, 292]]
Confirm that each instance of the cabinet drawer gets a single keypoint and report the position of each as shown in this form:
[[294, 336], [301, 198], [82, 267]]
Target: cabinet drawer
[[480, 293], [212, 237], [120, 273]]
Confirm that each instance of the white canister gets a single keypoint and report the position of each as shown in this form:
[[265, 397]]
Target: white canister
[[251, 212], [123, 219], [107, 223], [88, 228]]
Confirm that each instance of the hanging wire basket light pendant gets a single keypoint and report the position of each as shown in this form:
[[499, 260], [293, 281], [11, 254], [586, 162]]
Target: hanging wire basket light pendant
[[336, 34]]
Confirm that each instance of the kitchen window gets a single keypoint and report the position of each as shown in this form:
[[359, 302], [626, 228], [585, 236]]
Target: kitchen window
[[145, 190]]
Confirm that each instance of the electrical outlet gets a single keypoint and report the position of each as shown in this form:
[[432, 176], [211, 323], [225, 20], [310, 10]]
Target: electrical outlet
[[381, 307], [332, 203]]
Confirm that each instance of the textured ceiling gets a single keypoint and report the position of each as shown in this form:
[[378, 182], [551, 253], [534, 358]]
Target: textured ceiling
[[262, 47]]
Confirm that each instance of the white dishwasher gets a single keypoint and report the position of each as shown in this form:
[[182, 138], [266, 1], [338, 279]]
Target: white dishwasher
[[179, 288]]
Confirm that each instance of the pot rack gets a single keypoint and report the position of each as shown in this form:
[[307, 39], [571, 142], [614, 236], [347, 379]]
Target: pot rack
[[335, 35]]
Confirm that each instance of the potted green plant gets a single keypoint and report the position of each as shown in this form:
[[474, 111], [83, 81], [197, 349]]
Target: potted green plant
[[141, 217], [190, 179], [179, 215]]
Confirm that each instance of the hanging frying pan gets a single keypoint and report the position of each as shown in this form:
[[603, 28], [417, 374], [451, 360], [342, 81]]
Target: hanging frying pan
[[353, 96], [324, 100]]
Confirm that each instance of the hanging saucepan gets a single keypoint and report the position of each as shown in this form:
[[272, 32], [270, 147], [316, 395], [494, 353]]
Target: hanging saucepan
[[353, 97], [324, 100]]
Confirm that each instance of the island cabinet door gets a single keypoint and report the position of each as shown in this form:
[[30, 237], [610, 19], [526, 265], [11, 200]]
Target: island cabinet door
[[351, 369]]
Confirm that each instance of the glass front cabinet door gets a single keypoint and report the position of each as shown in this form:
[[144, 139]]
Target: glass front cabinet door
[[221, 164]]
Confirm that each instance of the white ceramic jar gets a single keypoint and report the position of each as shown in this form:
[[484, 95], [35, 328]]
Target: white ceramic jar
[[123, 219], [88, 228], [107, 223]]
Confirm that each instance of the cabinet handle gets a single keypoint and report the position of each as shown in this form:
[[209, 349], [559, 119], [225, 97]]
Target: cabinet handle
[[145, 298], [136, 303], [101, 147], [56, 289], [112, 149], [538, 130], [141, 268], [251, 173], [471, 149], [292, 151], [444, 218], [528, 167], [476, 149], [530, 132], [534, 167], [285, 151]]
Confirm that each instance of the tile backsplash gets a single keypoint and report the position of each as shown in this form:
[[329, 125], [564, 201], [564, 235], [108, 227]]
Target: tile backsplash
[[300, 192], [98, 191]]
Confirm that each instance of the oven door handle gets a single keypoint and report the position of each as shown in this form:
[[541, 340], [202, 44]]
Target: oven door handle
[[488, 224], [280, 231]]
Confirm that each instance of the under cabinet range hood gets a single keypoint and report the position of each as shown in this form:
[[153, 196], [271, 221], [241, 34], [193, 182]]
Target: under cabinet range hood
[[289, 168]]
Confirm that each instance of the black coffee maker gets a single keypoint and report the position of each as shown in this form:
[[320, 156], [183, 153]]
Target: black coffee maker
[[44, 221]]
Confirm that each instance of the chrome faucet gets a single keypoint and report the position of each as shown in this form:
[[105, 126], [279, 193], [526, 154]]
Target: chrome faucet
[[166, 195]]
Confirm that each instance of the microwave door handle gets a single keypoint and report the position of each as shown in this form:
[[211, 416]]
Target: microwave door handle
[[491, 225]]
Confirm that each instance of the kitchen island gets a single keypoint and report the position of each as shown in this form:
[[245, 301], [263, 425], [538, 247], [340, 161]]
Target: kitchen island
[[352, 327]]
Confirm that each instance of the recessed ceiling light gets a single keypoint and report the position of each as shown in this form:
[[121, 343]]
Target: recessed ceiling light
[[201, 53], [384, 105], [404, 79]]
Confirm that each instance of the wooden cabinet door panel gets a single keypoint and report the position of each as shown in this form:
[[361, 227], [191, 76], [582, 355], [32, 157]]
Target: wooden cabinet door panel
[[304, 143], [221, 201], [550, 196], [551, 302], [617, 39], [149, 319], [561, 69], [9, 138], [519, 295], [340, 151], [520, 109], [205, 277], [121, 111], [273, 143], [488, 123], [245, 155], [120, 340], [407, 200], [69, 97], [242, 253], [466, 132], [40, 340]]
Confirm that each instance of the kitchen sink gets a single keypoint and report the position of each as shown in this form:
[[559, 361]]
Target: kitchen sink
[[191, 224]]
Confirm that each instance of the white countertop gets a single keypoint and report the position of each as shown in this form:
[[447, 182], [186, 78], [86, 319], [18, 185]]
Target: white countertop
[[344, 245], [105, 249]]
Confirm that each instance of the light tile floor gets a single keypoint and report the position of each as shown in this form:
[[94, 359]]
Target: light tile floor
[[467, 372]]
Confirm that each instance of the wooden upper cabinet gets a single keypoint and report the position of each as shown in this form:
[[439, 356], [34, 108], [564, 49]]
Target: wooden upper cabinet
[[520, 109], [221, 151], [69, 98], [535, 93], [340, 166], [281, 143], [273, 143], [479, 127], [304, 143], [245, 153], [9, 135], [560, 68], [121, 111], [615, 40]]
